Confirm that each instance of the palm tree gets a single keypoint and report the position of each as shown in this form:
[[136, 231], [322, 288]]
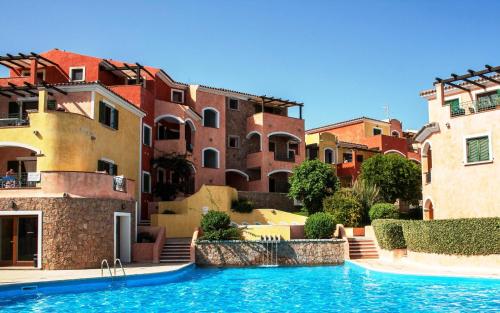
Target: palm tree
[[367, 194]]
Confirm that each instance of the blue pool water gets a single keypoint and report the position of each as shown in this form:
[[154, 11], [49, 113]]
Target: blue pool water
[[346, 288]]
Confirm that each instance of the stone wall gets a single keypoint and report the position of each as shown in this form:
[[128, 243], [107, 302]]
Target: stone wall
[[77, 233], [269, 200], [249, 253]]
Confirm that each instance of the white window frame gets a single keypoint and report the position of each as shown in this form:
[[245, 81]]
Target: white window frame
[[233, 137], [150, 143], [490, 148], [149, 178], [334, 159], [229, 104], [381, 131], [203, 156], [217, 120], [77, 68], [172, 95]]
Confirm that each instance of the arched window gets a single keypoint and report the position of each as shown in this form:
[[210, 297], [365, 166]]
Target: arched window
[[210, 158], [329, 156], [395, 133], [210, 118]]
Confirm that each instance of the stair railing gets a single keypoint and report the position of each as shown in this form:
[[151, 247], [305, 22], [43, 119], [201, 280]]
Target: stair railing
[[105, 262], [121, 266]]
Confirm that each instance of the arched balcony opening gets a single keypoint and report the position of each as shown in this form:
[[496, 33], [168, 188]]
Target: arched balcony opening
[[15, 164], [284, 146], [278, 181], [237, 179], [168, 128], [254, 142], [189, 135], [330, 156]]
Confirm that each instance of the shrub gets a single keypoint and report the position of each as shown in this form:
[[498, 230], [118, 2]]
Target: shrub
[[216, 225], [145, 237], [242, 206], [383, 210], [389, 234], [367, 195], [311, 182], [466, 236], [319, 226], [344, 207]]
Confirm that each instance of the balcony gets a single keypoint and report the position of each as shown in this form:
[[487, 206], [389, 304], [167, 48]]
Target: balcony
[[15, 119], [168, 146], [269, 123], [269, 161], [476, 106]]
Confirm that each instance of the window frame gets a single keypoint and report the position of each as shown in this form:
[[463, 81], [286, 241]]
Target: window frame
[[237, 104], [172, 95], [76, 68], [150, 143], [149, 180], [203, 157], [113, 126], [378, 128], [217, 120], [238, 145], [490, 148], [334, 161], [111, 164]]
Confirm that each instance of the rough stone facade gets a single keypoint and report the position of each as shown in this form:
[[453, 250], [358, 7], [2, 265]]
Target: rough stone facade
[[250, 253], [269, 200], [77, 233]]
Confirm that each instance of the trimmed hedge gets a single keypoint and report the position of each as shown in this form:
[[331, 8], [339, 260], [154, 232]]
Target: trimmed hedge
[[216, 225], [383, 210], [389, 234], [466, 236], [320, 226]]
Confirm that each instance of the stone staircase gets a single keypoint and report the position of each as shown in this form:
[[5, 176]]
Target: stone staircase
[[362, 248], [176, 250]]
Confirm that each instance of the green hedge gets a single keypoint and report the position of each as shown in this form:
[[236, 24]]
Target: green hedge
[[319, 226], [383, 210], [467, 236], [389, 234]]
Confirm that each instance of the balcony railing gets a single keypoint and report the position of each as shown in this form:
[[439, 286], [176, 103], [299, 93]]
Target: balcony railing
[[476, 106], [14, 119], [284, 157], [16, 181], [428, 177]]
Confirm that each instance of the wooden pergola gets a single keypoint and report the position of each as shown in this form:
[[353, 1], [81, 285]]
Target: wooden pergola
[[28, 90], [276, 102], [131, 72], [476, 78], [23, 61]]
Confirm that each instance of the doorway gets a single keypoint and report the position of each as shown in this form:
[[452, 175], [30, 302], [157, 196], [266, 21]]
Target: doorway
[[19, 242], [122, 237]]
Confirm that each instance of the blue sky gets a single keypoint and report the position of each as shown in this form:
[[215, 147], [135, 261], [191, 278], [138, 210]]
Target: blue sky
[[343, 59]]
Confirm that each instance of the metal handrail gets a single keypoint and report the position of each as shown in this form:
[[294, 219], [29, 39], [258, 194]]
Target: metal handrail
[[102, 268], [121, 266], [475, 106]]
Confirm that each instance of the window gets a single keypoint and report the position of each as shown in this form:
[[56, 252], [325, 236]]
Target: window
[[233, 141], [455, 108], [329, 156], [77, 74], [177, 96], [233, 104], [359, 158], [377, 131], [478, 149], [107, 166], [51, 104], [210, 158], [160, 175], [146, 135], [108, 115], [347, 157], [395, 133], [272, 146], [210, 118], [146, 182], [40, 74], [488, 100]]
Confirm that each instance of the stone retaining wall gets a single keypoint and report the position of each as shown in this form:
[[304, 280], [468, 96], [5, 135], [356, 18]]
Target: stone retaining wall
[[249, 253], [269, 200], [77, 233]]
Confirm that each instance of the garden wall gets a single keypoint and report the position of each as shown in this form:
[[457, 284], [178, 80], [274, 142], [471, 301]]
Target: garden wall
[[269, 200], [250, 253]]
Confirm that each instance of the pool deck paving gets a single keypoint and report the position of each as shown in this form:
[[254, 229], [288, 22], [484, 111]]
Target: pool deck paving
[[19, 275], [411, 268]]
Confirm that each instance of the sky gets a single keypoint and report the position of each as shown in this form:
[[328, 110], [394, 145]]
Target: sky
[[342, 59]]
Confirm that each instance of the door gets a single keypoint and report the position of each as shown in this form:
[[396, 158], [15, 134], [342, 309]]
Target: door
[[19, 240]]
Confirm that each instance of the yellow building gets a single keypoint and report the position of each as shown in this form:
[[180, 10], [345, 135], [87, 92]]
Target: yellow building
[[459, 145]]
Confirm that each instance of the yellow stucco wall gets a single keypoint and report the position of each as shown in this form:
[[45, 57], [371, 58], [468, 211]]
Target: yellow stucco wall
[[369, 125], [190, 210], [73, 142], [254, 232], [458, 190]]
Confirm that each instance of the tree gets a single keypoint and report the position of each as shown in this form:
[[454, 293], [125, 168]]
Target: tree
[[344, 207], [367, 195], [172, 163], [311, 182], [396, 176]]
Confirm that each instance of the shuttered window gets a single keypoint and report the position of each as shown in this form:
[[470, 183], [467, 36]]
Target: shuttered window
[[478, 149], [51, 104], [108, 115]]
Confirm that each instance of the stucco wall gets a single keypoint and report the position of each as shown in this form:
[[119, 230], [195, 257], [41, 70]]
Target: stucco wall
[[271, 200], [77, 233], [248, 253]]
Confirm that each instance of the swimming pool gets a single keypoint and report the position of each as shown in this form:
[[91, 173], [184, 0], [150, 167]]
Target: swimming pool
[[347, 288]]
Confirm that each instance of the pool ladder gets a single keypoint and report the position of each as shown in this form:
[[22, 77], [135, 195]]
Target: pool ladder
[[105, 262]]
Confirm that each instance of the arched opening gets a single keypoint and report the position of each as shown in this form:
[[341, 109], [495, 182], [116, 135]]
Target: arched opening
[[254, 142], [395, 133], [285, 146], [210, 117], [278, 181], [237, 179], [15, 164], [427, 162], [210, 158], [428, 210], [189, 135], [169, 128], [329, 156]]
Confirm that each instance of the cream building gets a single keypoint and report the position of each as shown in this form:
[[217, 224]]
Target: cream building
[[459, 145]]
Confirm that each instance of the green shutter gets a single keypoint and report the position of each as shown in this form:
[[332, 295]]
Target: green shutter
[[13, 109], [51, 104], [102, 112], [472, 151], [114, 118], [478, 149], [483, 147]]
